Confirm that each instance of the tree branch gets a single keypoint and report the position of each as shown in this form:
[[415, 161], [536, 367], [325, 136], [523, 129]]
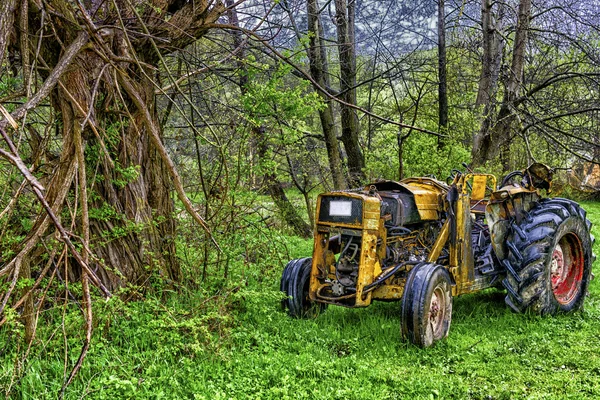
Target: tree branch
[[50, 82], [320, 88], [38, 190]]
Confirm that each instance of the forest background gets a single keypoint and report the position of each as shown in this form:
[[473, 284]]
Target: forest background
[[159, 164]]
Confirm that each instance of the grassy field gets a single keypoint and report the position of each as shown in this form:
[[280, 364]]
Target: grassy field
[[240, 345]]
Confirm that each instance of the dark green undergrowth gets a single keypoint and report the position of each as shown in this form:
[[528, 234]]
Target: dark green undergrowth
[[229, 339]]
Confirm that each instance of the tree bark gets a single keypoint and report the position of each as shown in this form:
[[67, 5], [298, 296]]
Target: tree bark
[[320, 72], [7, 18], [344, 18], [492, 51], [144, 243], [400, 140], [442, 76], [506, 116], [132, 226], [484, 143]]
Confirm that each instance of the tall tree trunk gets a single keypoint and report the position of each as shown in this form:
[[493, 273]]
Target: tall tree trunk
[[491, 23], [319, 70], [493, 46], [442, 84], [506, 115], [7, 18], [344, 17]]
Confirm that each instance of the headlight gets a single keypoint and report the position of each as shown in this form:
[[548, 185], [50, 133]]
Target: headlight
[[340, 209]]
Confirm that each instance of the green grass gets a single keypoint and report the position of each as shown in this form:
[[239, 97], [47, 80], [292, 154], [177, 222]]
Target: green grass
[[242, 346]]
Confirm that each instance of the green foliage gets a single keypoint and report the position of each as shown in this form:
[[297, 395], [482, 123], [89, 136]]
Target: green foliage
[[279, 108], [421, 157], [120, 225], [103, 213], [229, 339], [253, 243], [126, 174], [274, 101], [9, 83]]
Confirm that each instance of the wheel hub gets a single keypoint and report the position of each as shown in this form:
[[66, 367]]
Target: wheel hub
[[436, 313], [435, 308], [558, 267], [566, 268]]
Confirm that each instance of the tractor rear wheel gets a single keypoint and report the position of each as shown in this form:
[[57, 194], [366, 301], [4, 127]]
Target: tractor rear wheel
[[295, 281], [426, 305], [549, 258]]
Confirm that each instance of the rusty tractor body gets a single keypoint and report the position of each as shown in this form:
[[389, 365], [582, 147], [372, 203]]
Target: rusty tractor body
[[422, 241]]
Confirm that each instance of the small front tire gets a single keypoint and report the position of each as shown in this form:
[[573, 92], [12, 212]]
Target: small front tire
[[427, 305], [295, 282]]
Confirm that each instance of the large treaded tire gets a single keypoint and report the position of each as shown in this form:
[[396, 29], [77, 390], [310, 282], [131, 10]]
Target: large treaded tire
[[426, 305], [295, 281], [549, 258]]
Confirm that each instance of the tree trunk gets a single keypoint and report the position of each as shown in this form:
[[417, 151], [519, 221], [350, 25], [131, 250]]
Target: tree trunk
[[493, 46], [142, 201], [400, 140], [442, 85], [506, 116], [491, 24], [7, 17], [132, 226], [132, 221], [320, 72], [344, 18], [28, 308], [309, 208], [286, 209]]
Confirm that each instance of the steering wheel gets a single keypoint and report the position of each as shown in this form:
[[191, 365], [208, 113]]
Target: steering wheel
[[455, 172], [506, 180], [453, 175]]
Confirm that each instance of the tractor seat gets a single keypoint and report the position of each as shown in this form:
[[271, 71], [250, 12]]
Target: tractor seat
[[478, 198]]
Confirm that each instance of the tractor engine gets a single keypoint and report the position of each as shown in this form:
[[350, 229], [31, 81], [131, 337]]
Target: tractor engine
[[362, 235], [404, 244]]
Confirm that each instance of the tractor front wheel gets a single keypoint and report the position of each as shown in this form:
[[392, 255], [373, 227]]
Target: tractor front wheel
[[295, 282], [549, 258], [426, 305]]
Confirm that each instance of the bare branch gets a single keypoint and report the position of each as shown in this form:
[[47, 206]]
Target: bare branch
[[49, 83], [38, 190], [320, 88]]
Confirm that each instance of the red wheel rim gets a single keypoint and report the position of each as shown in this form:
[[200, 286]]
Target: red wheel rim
[[566, 268]]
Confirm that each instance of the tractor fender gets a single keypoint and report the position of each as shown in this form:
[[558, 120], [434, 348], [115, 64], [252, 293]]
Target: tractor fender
[[510, 203]]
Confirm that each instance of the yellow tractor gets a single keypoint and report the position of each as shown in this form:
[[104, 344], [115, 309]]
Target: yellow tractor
[[422, 241]]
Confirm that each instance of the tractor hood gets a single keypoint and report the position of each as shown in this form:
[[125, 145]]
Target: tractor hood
[[425, 196], [400, 203]]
